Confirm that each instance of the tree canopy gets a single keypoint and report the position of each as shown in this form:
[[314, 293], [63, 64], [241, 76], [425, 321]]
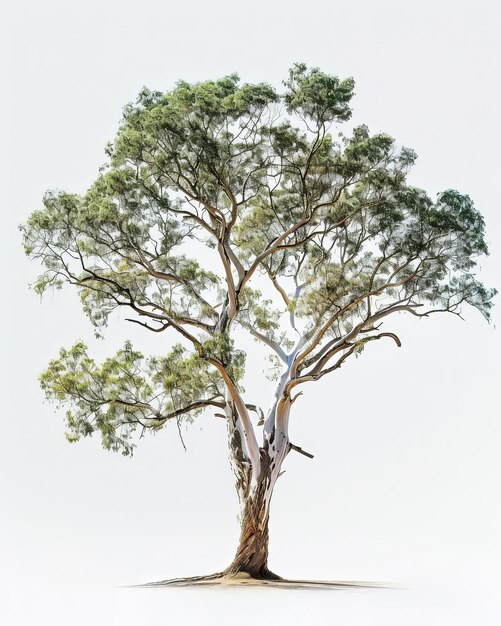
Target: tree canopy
[[314, 235]]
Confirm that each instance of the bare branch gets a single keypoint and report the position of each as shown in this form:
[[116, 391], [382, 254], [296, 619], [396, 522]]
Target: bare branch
[[264, 339], [145, 325], [300, 450]]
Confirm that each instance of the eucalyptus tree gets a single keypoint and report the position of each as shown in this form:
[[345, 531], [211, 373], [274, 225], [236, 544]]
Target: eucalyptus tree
[[228, 208]]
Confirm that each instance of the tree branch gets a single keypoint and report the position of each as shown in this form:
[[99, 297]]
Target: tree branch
[[243, 416], [266, 340], [300, 450]]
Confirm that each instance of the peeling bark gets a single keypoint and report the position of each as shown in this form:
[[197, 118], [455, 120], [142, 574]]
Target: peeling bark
[[251, 557], [252, 553], [256, 479], [239, 463]]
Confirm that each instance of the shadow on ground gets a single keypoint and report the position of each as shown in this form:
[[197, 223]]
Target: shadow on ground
[[243, 580]]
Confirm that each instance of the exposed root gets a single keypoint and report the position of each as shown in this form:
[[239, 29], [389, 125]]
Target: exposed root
[[242, 579]]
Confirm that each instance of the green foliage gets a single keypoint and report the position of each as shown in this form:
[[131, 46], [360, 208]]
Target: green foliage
[[269, 187], [257, 311], [127, 391], [221, 347], [318, 96]]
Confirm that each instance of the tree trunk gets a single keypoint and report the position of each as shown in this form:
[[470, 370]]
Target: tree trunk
[[252, 554], [254, 494]]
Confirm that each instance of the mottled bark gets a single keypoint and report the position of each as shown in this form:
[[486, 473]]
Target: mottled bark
[[252, 553], [254, 495]]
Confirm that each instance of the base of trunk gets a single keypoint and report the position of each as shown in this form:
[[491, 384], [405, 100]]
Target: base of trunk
[[263, 573], [242, 579]]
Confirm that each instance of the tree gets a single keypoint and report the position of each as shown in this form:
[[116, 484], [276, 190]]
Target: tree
[[227, 208]]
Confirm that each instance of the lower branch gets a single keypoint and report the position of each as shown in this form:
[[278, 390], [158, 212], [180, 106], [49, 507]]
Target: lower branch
[[300, 450]]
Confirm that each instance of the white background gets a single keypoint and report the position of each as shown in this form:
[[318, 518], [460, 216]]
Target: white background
[[405, 484]]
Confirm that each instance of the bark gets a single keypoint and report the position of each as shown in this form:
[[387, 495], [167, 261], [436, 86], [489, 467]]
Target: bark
[[252, 553], [251, 557]]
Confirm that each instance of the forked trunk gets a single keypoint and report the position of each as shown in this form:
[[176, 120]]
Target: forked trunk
[[254, 493]]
